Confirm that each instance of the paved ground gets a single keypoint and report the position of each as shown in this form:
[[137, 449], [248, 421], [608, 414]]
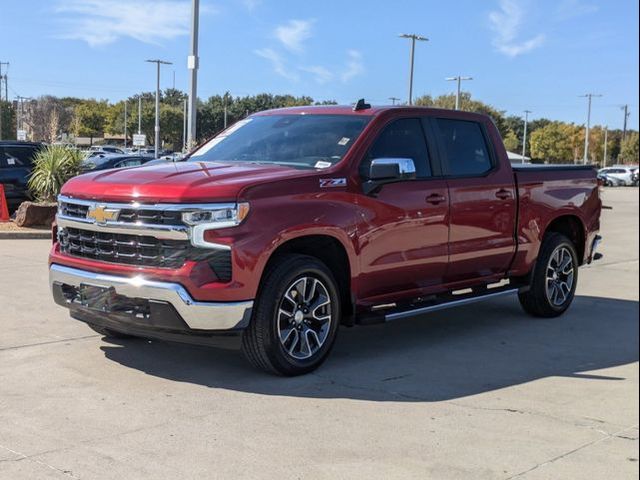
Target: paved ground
[[479, 392]]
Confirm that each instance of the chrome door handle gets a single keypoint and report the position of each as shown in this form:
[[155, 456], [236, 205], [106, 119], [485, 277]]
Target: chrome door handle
[[435, 199]]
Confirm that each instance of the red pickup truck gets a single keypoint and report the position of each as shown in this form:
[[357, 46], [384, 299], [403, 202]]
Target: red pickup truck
[[295, 221]]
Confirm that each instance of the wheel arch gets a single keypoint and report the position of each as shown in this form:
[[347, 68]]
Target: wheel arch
[[330, 250], [573, 228]]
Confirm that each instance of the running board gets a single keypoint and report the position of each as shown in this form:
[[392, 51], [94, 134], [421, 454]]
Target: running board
[[433, 305]]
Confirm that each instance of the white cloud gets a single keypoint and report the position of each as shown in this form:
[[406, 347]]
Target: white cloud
[[277, 62], [293, 34], [321, 74], [567, 9], [251, 5], [100, 22], [354, 66], [507, 23]]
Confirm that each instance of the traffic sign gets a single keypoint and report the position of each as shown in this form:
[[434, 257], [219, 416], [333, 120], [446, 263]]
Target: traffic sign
[[22, 135], [139, 139]]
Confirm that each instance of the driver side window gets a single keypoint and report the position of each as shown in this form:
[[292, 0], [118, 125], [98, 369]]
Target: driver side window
[[403, 138]]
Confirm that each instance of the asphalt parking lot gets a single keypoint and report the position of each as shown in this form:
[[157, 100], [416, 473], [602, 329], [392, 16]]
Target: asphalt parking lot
[[478, 392]]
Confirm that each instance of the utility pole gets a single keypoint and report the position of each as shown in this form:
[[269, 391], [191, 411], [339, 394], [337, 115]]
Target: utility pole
[[606, 134], [524, 138], [393, 100], [413, 38], [192, 65], [6, 90], [184, 125], [125, 124], [139, 114], [626, 116], [225, 111], [157, 126], [458, 79], [589, 96]]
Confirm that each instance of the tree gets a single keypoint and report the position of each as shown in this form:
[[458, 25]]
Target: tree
[[552, 143], [511, 142], [90, 118], [467, 104], [629, 149]]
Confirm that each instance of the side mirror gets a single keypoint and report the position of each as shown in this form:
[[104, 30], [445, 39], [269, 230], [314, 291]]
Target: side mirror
[[392, 169], [388, 170]]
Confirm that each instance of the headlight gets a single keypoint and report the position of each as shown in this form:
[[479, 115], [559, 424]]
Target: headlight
[[217, 216]]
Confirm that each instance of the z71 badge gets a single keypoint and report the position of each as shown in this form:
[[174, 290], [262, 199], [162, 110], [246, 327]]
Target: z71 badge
[[333, 182]]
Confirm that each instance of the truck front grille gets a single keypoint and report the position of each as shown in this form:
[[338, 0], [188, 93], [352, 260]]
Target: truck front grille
[[146, 216], [125, 249]]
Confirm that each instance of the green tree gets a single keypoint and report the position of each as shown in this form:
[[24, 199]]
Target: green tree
[[467, 104], [90, 118], [511, 142], [552, 144], [629, 148]]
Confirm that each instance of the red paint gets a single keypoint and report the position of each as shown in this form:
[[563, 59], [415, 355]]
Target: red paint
[[398, 245]]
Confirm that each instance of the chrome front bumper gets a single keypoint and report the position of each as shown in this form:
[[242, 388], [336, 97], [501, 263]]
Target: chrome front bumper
[[197, 315]]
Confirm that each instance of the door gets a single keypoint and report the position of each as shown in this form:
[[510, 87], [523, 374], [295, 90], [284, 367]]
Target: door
[[482, 201], [404, 227]]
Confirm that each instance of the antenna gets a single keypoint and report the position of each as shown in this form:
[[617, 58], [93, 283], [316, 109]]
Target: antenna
[[361, 105]]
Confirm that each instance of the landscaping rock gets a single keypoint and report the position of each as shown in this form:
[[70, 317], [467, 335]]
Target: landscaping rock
[[30, 214]]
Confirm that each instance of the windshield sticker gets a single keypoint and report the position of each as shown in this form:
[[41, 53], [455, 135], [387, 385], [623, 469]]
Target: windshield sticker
[[322, 164], [11, 161], [343, 141], [333, 182]]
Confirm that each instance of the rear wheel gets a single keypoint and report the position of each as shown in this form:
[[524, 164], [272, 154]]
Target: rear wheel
[[554, 278], [295, 319]]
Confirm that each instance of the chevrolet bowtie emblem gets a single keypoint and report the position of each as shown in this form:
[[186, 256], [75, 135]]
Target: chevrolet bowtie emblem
[[101, 214]]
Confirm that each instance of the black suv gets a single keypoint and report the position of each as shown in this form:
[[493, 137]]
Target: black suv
[[16, 160]]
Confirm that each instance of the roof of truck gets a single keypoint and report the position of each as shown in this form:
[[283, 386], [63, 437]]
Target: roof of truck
[[349, 110]]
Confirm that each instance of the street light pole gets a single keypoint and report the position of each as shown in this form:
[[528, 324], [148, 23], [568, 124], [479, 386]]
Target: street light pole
[[606, 134], [393, 100], [413, 38], [589, 96], [524, 139], [626, 116], [139, 114], [157, 126], [458, 79], [184, 126], [192, 64], [125, 124]]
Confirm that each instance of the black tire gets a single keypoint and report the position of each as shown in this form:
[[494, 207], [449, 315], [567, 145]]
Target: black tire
[[261, 341], [538, 301], [107, 332]]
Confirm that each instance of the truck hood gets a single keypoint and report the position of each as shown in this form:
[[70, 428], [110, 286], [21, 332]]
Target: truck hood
[[180, 182]]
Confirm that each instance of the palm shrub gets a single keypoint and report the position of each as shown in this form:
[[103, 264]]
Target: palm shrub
[[52, 167]]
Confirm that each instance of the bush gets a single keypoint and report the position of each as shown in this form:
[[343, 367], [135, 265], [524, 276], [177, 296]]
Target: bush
[[52, 167]]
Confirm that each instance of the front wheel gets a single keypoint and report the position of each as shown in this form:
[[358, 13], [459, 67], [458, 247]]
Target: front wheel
[[554, 278], [295, 318]]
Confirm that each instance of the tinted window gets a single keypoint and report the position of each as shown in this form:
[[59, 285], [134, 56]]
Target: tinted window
[[465, 147], [401, 139], [17, 156]]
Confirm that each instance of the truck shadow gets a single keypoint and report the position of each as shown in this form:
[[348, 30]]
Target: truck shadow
[[441, 356]]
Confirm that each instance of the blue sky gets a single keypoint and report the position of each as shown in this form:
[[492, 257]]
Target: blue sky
[[523, 54]]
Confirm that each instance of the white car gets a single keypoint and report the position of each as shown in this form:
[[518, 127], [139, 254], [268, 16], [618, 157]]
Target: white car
[[621, 173]]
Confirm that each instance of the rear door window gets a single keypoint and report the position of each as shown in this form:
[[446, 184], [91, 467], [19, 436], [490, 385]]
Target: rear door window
[[17, 156], [465, 147]]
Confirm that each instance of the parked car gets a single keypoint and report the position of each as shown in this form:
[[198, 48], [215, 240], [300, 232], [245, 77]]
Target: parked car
[[103, 150], [621, 173], [609, 181], [295, 221], [634, 178], [16, 160], [103, 162]]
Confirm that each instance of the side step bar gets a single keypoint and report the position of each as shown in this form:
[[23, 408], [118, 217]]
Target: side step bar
[[433, 305]]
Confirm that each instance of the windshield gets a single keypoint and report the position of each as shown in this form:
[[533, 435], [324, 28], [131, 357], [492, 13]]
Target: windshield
[[302, 141]]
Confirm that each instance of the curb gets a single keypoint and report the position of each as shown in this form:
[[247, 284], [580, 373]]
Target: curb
[[29, 235]]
